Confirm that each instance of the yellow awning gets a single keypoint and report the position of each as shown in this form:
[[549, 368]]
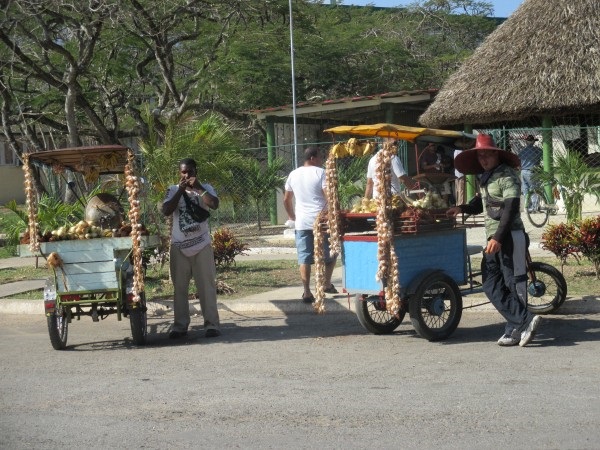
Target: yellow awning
[[411, 134]]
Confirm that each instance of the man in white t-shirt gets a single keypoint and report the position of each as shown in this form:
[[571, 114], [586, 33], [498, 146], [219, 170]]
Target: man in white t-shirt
[[191, 252], [398, 175], [306, 185]]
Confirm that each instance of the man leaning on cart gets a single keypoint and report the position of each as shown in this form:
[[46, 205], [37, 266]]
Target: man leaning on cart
[[505, 275]]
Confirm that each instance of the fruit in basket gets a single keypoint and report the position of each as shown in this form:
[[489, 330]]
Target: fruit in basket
[[364, 205], [432, 200]]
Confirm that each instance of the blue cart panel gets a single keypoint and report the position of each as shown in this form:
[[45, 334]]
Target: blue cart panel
[[444, 250]]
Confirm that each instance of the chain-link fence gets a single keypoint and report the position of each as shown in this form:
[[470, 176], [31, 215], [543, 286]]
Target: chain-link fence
[[244, 217]]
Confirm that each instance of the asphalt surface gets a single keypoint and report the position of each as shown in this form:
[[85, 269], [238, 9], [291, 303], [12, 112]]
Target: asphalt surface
[[299, 381]]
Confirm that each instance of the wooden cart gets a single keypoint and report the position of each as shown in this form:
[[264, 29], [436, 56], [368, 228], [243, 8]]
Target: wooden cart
[[92, 276]]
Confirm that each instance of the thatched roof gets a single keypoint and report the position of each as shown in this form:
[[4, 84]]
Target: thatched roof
[[543, 60]]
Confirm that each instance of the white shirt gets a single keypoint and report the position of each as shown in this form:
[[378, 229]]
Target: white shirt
[[397, 172], [307, 183], [458, 174], [187, 234]]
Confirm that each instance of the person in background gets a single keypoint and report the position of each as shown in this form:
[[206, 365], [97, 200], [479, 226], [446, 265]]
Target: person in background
[[531, 157], [504, 265], [430, 161], [398, 175], [306, 185], [459, 184], [191, 254]]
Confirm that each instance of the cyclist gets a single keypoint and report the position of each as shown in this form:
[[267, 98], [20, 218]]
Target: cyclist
[[531, 157]]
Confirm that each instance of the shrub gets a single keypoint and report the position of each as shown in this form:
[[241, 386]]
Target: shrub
[[226, 247], [589, 241]]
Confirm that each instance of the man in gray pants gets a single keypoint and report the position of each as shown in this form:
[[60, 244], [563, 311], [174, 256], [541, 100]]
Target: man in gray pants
[[191, 253], [505, 274]]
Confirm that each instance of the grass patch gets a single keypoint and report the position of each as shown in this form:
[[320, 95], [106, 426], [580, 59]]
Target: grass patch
[[245, 278], [254, 277]]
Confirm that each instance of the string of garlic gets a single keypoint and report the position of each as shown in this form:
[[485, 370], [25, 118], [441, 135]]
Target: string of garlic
[[387, 271], [133, 189], [333, 204], [319, 235], [32, 206]]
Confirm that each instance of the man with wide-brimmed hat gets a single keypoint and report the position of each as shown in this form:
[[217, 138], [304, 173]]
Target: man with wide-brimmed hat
[[531, 157], [505, 274]]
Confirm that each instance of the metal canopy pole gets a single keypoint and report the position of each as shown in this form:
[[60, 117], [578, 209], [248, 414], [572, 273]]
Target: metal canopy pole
[[293, 86]]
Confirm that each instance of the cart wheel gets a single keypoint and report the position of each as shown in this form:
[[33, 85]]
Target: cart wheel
[[58, 328], [549, 290], [436, 307], [374, 316], [138, 320]]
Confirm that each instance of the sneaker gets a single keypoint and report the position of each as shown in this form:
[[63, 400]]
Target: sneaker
[[529, 333], [212, 332], [331, 290], [177, 334], [507, 340]]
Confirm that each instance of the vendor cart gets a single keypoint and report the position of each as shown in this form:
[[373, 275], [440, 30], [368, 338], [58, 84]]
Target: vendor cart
[[96, 265], [410, 257]]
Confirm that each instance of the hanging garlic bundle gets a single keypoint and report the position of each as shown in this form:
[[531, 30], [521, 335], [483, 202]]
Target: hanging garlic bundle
[[332, 218], [133, 189], [319, 234], [387, 271], [32, 207], [333, 205]]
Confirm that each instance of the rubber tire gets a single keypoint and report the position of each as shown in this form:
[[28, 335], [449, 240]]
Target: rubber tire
[[555, 285], [58, 328], [138, 319], [538, 218], [429, 325], [557, 280], [375, 318]]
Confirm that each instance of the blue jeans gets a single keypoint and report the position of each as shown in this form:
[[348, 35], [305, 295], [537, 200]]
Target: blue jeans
[[305, 246], [526, 182]]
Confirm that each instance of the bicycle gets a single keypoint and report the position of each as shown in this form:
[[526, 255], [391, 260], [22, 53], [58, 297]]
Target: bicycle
[[538, 205]]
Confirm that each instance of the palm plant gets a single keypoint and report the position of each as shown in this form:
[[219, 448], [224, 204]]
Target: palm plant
[[52, 213], [262, 181], [575, 179], [352, 174], [209, 141]]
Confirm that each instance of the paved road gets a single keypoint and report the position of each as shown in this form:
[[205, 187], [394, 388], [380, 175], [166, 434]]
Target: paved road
[[299, 381]]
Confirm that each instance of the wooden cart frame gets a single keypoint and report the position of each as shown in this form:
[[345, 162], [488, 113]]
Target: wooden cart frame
[[91, 277]]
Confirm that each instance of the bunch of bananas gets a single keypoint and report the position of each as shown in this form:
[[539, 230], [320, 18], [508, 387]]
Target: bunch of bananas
[[91, 174], [108, 161], [397, 202], [353, 147]]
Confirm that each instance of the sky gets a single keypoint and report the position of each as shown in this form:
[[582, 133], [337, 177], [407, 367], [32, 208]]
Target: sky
[[502, 8]]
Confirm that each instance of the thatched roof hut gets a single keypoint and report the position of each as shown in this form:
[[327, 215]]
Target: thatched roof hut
[[544, 60]]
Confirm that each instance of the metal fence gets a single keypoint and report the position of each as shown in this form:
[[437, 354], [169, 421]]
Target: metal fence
[[245, 218]]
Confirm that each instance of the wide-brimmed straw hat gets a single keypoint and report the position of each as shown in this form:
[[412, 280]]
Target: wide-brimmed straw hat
[[467, 162]]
